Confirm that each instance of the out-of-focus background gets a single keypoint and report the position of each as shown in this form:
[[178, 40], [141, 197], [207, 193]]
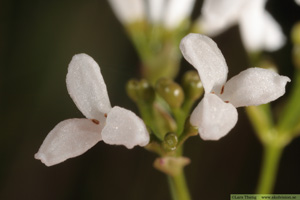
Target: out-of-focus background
[[37, 41]]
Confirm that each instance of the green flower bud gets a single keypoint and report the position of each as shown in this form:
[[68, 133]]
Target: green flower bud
[[192, 85], [170, 141], [170, 91], [132, 89], [146, 91], [296, 34], [140, 90]]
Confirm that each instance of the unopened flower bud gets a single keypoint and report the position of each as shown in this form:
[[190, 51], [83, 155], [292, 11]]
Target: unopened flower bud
[[140, 90], [132, 89], [170, 91], [146, 91], [296, 34], [192, 85], [170, 141]]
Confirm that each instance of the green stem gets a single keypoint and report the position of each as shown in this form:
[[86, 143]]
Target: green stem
[[178, 187], [261, 119], [271, 158], [187, 106], [290, 116], [180, 118]]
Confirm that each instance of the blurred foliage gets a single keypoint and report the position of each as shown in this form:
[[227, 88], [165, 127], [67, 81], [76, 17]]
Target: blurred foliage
[[38, 39]]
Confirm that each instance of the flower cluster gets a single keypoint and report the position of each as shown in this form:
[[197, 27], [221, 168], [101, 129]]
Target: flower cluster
[[214, 116]]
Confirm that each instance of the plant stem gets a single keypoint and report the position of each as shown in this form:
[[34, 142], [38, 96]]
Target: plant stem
[[178, 187], [180, 118], [271, 158]]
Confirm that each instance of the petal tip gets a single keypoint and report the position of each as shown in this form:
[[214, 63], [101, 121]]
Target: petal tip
[[42, 158], [210, 137], [80, 57]]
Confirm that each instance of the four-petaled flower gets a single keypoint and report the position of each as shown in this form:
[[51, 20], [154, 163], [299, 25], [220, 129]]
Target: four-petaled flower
[[216, 114], [259, 30], [73, 137]]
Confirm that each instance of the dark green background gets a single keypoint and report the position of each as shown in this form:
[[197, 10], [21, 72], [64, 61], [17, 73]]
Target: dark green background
[[38, 39]]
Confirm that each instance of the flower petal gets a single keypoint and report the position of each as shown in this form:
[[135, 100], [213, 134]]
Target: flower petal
[[123, 127], [87, 88], [156, 8], [128, 11], [252, 25], [219, 15], [213, 117], [204, 54], [254, 86], [68, 139], [176, 12], [274, 37]]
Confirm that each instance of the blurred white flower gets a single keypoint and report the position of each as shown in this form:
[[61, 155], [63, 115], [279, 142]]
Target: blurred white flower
[[169, 13], [73, 137], [177, 11], [216, 114], [128, 11], [297, 2], [259, 30], [156, 10]]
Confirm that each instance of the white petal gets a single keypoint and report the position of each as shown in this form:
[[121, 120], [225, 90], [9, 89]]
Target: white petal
[[68, 139], [176, 12], [123, 127], [254, 86], [156, 8], [204, 54], [273, 37], [213, 117], [252, 25], [219, 15], [128, 11], [298, 2], [259, 30], [87, 88]]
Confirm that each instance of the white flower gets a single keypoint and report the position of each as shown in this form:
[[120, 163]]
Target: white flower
[[297, 2], [216, 114], [258, 28], [128, 11], [73, 137], [169, 13], [177, 11]]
